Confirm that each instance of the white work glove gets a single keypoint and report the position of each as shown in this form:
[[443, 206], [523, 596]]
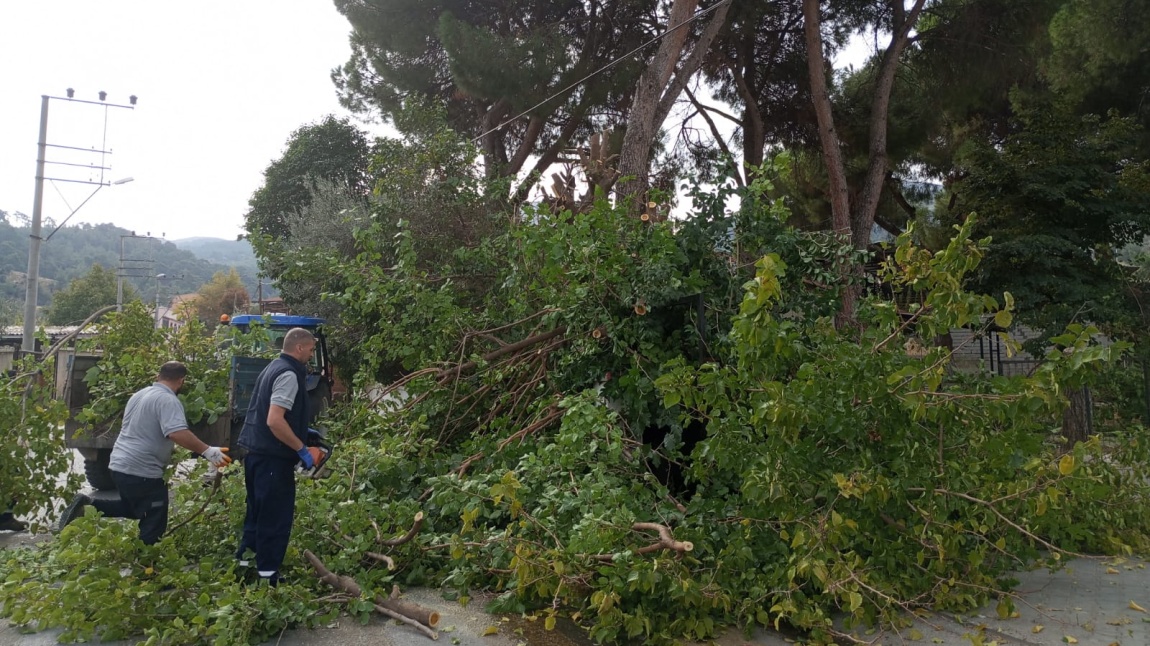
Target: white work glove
[[216, 456]]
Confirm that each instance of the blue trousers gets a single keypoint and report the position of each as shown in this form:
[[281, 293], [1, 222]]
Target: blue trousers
[[270, 483], [144, 499]]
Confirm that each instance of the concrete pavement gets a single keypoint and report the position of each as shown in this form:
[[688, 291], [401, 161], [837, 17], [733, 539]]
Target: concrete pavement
[[1090, 602]]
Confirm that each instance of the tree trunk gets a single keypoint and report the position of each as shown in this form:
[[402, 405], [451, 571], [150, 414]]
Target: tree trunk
[[1145, 388], [878, 163], [828, 136], [654, 99], [1077, 420], [855, 222]]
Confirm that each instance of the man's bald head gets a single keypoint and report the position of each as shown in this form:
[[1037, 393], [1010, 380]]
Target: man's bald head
[[299, 344]]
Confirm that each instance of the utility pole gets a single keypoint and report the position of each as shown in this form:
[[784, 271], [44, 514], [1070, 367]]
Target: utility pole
[[32, 291], [159, 277], [136, 265], [28, 342]]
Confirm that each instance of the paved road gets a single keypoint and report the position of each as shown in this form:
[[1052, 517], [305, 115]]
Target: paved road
[[1093, 601]]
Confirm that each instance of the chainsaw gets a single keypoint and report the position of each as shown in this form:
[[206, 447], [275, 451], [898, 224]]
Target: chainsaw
[[315, 437]]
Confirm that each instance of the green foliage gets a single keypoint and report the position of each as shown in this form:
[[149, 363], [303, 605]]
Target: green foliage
[[11, 311], [85, 295], [429, 187], [332, 150], [1100, 57], [1059, 195], [1119, 395], [834, 464], [33, 460], [840, 475], [132, 352], [97, 581], [483, 67]]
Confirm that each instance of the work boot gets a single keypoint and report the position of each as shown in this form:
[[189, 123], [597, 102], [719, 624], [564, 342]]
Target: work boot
[[8, 523], [73, 510]]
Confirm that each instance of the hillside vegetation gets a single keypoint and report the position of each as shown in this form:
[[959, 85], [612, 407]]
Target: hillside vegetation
[[74, 249]]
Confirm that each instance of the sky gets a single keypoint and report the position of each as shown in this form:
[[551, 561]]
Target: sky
[[221, 85]]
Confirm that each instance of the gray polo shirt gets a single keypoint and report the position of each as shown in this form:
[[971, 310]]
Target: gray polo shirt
[[143, 448], [284, 390]]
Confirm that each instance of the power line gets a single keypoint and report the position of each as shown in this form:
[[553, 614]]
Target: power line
[[696, 16]]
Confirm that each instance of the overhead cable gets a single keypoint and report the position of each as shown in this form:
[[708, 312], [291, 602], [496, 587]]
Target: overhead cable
[[696, 16]]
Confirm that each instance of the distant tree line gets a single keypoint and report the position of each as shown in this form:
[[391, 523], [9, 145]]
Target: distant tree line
[[73, 251]]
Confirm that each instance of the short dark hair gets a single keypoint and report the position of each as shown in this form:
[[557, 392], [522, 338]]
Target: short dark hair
[[172, 371]]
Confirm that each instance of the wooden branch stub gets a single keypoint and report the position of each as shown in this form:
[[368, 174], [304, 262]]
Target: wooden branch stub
[[666, 542], [383, 558], [415, 527], [425, 616]]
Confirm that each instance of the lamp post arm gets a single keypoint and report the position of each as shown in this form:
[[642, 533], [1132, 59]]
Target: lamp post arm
[[65, 220]]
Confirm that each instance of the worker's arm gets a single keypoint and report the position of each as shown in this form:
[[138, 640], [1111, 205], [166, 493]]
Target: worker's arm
[[281, 429], [189, 441], [284, 391]]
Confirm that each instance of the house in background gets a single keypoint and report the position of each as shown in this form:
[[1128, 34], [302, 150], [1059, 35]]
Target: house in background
[[179, 311]]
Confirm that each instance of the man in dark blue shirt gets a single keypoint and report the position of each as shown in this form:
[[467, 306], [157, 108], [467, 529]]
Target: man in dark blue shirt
[[274, 435]]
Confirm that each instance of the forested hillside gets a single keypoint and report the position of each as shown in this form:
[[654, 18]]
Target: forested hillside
[[231, 253], [73, 250]]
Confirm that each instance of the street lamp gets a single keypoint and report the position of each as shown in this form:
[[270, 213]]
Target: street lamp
[[159, 278], [32, 292]]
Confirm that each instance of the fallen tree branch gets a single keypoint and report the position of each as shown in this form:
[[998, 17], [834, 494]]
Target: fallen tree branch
[[216, 479], [1001, 516], [422, 619], [463, 466], [447, 374], [383, 558], [383, 610], [550, 415], [415, 527], [80, 328], [429, 618], [666, 542], [379, 397]]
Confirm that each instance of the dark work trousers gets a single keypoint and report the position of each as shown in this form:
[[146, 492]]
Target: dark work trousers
[[144, 499], [270, 483]]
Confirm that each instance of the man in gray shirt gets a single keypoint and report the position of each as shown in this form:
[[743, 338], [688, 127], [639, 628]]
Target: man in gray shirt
[[153, 422]]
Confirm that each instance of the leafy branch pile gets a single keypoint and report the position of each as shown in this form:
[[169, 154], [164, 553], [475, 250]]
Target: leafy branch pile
[[33, 460], [656, 432], [132, 349], [841, 471]]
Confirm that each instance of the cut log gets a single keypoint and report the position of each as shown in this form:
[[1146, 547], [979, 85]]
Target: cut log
[[387, 612], [425, 616]]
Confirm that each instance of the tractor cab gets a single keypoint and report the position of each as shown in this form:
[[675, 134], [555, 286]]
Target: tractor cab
[[321, 372]]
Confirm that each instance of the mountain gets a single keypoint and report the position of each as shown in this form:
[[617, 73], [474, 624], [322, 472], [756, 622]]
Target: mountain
[[74, 249], [233, 253]]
